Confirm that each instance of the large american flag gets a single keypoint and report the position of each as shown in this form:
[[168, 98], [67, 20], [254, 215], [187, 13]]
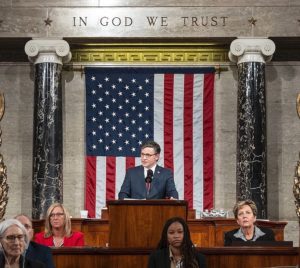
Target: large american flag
[[126, 106]]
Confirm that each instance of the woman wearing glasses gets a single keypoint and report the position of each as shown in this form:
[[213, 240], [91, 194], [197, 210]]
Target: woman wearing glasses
[[58, 231], [14, 241]]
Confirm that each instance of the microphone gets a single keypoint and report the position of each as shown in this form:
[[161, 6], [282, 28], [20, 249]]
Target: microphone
[[148, 180]]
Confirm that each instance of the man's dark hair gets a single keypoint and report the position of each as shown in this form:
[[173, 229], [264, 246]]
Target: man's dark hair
[[151, 144], [187, 248]]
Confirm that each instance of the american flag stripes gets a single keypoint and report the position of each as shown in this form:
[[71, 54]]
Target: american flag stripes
[[126, 106]]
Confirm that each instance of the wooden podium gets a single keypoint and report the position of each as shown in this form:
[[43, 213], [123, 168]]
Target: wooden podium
[[139, 223]]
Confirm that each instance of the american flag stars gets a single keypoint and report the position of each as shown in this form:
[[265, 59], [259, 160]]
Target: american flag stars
[[119, 113]]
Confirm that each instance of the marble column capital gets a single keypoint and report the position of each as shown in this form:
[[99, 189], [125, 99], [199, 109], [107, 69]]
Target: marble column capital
[[48, 50], [251, 50]]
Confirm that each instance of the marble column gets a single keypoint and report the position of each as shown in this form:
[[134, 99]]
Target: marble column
[[251, 54], [48, 56]]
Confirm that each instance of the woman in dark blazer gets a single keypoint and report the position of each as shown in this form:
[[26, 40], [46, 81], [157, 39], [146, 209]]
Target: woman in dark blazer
[[175, 248], [245, 214]]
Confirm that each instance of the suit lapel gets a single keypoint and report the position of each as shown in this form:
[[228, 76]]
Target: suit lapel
[[157, 172], [155, 181], [141, 180]]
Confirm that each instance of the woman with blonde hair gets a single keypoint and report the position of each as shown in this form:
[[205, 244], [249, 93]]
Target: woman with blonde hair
[[58, 231]]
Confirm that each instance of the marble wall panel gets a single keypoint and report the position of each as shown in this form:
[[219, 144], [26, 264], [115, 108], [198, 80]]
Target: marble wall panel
[[232, 3], [54, 3], [74, 126], [39, 3], [26, 177], [74, 107], [274, 173], [83, 3], [274, 123], [226, 126], [291, 231], [6, 3], [287, 211], [279, 21], [18, 22], [290, 123], [290, 81], [225, 174], [294, 3], [195, 3], [73, 189]]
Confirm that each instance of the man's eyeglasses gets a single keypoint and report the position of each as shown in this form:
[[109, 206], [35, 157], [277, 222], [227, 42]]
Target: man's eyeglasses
[[12, 238], [147, 155], [58, 215]]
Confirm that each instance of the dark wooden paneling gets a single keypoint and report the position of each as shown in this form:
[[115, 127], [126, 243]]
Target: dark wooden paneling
[[230, 257], [204, 232]]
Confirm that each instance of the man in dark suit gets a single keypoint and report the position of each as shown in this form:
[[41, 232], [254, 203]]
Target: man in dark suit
[[149, 180], [35, 251]]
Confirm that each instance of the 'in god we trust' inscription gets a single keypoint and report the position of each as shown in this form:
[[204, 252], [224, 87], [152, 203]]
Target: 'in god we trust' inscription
[[154, 21], [142, 22]]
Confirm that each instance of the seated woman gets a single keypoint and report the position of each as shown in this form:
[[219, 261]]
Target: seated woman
[[14, 240], [175, 248], [58, 231], [245, 214]]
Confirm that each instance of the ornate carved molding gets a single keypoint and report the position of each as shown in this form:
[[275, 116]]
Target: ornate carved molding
[[48, 50], [296, 188], [251, 50], [3, 176], [173, 53]]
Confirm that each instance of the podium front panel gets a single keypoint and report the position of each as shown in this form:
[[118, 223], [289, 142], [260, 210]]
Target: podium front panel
[[139, 223]]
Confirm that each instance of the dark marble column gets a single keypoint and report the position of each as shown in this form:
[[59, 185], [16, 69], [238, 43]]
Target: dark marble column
[[47, 185], [251, 164]]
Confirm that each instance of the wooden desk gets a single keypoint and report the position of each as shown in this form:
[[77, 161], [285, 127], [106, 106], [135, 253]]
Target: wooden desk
[[219, 257], [204, 232]]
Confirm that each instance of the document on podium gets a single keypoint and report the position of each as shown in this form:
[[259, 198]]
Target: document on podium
[[134, 199]]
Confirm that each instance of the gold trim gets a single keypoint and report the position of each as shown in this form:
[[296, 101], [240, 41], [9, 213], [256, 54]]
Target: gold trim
[[2, 105], [151, 53], [298, 105]]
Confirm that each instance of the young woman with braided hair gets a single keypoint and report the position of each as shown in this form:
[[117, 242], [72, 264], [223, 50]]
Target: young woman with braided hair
[[175, 248]]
